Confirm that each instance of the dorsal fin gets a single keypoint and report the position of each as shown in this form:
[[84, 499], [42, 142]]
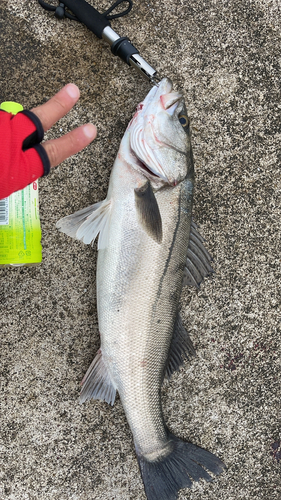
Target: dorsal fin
[[198, 260]]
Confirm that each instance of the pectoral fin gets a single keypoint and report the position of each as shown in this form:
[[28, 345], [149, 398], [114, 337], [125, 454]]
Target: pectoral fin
[[86, 224], [148, 211]]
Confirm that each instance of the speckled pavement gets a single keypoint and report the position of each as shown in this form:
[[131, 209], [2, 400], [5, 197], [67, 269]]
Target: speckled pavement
[[225, 56]]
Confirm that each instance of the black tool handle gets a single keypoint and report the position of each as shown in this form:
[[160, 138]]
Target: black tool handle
[[88, 15]]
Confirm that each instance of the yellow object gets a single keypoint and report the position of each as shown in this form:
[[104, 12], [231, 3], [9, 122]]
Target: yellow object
[[11, 107], [20, 231]]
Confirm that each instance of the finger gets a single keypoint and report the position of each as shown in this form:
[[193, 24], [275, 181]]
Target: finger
[[54, 109], [60, 149]]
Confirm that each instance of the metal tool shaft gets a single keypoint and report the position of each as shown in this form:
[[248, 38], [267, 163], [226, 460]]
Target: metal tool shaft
[[135, 60]]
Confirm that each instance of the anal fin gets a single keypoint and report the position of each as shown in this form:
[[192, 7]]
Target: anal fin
[[181, 348], [97, 383]]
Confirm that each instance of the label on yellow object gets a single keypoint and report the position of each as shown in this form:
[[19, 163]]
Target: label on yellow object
[[20, 232]]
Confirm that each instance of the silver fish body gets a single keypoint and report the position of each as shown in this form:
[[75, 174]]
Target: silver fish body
[[144, 226], [138, 289]]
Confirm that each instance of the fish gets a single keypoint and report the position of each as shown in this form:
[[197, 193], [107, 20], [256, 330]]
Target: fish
[[148, 249]]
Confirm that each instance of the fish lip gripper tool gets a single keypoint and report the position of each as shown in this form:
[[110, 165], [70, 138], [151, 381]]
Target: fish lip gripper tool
[[99, 24]]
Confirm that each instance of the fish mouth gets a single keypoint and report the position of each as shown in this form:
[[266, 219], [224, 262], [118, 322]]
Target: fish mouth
[[168, 97], [142, 128], [170, 101]]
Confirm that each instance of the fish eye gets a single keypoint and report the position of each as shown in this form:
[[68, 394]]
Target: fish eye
[[183, 119]]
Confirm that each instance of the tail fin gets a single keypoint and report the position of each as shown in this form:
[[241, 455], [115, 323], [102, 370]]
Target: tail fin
[[163, 478]]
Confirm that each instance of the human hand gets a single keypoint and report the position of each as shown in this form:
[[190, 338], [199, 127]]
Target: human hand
[[23, 158], [54, 109]]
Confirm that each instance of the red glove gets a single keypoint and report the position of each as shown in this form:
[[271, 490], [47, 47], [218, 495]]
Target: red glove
[[22, 158]]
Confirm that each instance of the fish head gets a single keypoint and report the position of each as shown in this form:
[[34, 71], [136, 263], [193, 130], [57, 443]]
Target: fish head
[[160, 137]]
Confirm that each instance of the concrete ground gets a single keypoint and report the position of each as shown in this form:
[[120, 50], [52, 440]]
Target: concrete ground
[[225, 57]]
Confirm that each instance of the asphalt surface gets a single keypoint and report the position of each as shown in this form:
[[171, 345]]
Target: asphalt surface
[[225, 56]]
